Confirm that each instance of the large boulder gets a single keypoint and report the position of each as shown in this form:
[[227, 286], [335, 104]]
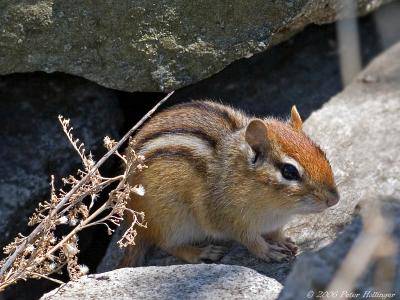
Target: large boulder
[[147, 45], [303, 70], [173, 282]]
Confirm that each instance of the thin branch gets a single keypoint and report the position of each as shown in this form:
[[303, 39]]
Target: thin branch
[[39, 228], [47, 277]]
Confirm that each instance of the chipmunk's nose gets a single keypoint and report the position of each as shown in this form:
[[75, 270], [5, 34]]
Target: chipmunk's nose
[[332, 198]]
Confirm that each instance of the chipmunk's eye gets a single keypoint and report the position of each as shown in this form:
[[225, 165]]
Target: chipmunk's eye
[[290, 172]]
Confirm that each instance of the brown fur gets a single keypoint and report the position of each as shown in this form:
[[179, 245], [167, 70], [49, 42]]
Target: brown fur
[[213, 173]]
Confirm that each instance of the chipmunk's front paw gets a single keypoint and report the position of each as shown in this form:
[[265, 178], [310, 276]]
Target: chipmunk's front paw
[[289, 244], [282, 241], [276, 253]]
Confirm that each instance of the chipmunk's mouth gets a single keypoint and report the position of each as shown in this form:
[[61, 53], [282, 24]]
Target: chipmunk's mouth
[[312, 205]]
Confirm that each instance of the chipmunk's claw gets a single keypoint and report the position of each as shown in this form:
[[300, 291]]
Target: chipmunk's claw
[[290, 245], [276, 253], [285, 244]]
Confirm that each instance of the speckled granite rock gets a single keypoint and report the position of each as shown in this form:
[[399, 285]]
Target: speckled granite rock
[[173, 282], [147, 45]]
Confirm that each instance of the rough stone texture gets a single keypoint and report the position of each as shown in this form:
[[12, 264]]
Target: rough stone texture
[[33, 145], [147, 45], [173, 282], [236, 255]]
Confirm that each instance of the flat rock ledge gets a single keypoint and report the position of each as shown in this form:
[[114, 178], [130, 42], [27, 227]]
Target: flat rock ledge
[[172, 282]]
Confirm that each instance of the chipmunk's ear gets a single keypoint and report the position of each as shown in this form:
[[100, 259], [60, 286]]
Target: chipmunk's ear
[[296, 121], [256, 137]]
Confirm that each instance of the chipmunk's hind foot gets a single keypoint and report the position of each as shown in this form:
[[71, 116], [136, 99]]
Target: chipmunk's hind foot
[[194, 255]]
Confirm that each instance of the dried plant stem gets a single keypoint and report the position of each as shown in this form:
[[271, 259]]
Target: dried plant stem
[[90, 191], [64, 200], [48, 278], [78, 228]]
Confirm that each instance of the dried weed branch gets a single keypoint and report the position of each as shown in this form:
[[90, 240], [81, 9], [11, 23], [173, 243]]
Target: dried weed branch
[[42, 253]]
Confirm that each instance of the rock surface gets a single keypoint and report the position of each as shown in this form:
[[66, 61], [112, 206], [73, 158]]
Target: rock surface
[[173, 282], [303, 70], [33, 145], [149, 46]]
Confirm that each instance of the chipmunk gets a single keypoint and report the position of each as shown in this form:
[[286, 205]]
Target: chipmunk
[[215, 173]]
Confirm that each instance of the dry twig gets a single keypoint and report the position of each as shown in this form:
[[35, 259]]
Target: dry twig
[[41, 253]]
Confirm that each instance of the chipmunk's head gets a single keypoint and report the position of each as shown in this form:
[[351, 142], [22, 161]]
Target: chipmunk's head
[[291, 165]]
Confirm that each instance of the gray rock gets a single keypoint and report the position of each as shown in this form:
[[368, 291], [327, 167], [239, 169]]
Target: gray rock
[[236, 255], [173, 282], [33, 145], [146, 45]]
